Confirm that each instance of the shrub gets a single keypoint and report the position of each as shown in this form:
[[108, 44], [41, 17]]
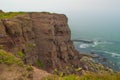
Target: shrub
[[21, 55], [29, 68], [39, 63]]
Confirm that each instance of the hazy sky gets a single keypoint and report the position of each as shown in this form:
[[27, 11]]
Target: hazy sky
[[61, 6]]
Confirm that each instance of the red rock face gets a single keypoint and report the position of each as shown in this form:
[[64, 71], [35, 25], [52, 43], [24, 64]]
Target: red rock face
[[18, 36], [42, 37]]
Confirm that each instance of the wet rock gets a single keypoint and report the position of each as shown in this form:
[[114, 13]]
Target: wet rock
[[104, 59]]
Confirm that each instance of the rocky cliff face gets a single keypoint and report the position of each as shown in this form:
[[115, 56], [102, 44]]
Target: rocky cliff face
[[43, 38], [17, 35], [53, 40]]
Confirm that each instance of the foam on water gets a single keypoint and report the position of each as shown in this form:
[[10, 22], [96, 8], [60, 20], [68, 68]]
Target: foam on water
[[113, 54], [95, 45], [86, 45]]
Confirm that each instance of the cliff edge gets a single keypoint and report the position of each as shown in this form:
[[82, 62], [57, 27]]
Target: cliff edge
[[42, 40]]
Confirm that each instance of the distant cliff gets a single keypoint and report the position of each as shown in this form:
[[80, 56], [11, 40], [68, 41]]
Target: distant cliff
[[42, 40]]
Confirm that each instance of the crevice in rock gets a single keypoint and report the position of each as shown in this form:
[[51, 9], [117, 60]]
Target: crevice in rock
[[11, 42]]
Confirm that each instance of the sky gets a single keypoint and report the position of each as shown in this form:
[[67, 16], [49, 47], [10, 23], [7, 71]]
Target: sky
[[60, 6], [82, 14]]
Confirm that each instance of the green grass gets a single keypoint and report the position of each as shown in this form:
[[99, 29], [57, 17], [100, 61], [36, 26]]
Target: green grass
[[10, 14], [29, 68], [39, 63], [21, 55], [87, 76], [9, 59]]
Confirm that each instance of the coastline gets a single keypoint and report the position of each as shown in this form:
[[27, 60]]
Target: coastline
[[102, 51]]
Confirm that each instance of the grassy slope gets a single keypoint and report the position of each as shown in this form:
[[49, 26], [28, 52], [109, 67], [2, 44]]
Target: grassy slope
[[13, 67], [9, 59]]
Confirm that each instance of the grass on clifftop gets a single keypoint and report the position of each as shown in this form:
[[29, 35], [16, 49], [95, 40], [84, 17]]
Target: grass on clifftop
[[10, 14], [9, 59], [87, 76]]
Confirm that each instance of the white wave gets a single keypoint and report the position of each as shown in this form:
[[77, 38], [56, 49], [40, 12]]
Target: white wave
[[84, 45], [98, 42], [95, 43], [113, 54]]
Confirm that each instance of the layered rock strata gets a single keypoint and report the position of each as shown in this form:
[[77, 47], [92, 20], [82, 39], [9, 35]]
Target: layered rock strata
[[43, 38]]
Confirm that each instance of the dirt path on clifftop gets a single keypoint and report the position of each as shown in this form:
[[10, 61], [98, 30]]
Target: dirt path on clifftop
[[39, 74]]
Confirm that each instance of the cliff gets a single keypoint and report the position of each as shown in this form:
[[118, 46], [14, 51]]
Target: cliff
[[43, 40]]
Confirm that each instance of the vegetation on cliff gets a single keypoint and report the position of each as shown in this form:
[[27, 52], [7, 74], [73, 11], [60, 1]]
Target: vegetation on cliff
[[13, 67], [9, 59], [87, 76], [10, 14]]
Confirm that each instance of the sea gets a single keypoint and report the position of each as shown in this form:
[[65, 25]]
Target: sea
[[103, 32]]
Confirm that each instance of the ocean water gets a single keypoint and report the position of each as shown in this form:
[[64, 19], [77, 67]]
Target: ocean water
[[106, 48], [104, 31]]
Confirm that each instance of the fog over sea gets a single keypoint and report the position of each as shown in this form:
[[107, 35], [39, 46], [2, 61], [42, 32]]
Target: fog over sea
[[104, 30]]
